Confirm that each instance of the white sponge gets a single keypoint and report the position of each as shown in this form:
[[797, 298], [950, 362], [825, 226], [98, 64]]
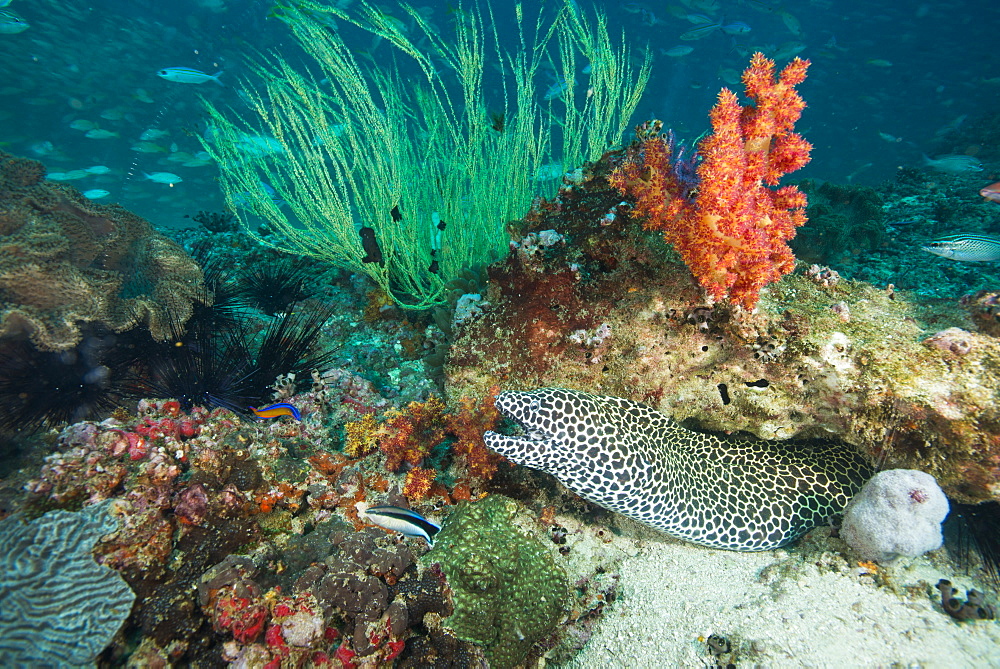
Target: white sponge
[[897, 513]]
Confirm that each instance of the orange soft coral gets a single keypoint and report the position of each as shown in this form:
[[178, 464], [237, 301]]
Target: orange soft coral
[[468, 426], [409, 436], [418, 483], [732, 232]]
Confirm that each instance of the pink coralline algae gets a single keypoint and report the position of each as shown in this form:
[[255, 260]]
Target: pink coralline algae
[[243, 616], [345, 580], [140, 461], [192, 505], [232, 600], [299, 621], [952, 340]]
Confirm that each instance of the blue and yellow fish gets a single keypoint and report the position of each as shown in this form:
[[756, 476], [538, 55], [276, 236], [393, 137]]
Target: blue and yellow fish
[[276, 410]]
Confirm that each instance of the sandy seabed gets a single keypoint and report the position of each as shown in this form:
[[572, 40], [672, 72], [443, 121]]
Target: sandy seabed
[[810, 606]]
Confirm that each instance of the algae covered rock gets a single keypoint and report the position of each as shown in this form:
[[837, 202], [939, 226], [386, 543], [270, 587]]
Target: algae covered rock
[[508, 591]]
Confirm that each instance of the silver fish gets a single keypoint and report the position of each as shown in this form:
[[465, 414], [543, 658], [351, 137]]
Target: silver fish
[[955, 163], [168, 178], [556, 90], [11, 23], [187, 75], [966, 247], [701, 31], [404, 521], [100, 133]]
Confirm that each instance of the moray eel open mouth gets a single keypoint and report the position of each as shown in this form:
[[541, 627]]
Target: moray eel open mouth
[[735, 492], [525, 423], [530, 434]]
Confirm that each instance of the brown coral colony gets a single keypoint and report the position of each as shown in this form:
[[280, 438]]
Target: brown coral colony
[[68, 261]]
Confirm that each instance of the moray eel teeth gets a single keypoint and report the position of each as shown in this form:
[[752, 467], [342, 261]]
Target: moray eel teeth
[[732, 492]]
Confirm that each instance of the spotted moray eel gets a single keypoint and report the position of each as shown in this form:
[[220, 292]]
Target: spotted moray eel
[[733, 492]]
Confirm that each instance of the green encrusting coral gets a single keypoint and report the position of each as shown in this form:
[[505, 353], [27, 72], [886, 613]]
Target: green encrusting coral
[[508, 591]]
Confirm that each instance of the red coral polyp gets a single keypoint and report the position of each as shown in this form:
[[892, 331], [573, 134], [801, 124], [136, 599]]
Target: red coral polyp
[[395, 648], [243, 617], [138, 447], [275, 640], [346, 657], [187, 429], [282, 611]]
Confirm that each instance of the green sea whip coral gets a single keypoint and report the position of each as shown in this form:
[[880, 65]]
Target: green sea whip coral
[[408, 182]]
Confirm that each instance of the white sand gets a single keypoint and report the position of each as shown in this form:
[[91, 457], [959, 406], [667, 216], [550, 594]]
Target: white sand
[[806, 607]]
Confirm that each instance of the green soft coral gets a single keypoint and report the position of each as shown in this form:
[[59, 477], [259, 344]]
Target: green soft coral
[[508, 592]]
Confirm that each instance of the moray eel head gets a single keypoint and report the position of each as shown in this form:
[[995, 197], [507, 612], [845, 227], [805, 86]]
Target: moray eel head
[[549, 419]]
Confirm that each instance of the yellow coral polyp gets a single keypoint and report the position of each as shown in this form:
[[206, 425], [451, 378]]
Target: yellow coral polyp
[[361, 436]]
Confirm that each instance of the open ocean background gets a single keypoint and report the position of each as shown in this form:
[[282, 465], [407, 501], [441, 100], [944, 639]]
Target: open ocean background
[[888, 82]]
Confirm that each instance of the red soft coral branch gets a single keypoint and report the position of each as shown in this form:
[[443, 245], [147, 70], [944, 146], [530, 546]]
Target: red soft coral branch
[[733, 232]]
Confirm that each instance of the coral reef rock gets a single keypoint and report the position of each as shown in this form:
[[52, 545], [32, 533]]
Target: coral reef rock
[[817, 358], [508, 591], [60, 607], [69, 261]]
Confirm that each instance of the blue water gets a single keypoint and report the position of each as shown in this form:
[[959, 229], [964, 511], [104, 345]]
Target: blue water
[[906, 70], [888, 83]]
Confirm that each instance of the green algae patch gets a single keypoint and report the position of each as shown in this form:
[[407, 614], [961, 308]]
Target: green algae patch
[[508, 592]]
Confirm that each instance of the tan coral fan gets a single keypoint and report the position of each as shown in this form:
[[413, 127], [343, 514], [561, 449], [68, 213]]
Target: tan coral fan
[[65, 261]]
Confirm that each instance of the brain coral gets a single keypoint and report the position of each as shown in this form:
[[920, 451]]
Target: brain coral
[[60, 607], [508, 591], [65, 260]]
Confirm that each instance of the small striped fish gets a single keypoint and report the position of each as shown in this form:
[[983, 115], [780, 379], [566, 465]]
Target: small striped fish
[[404, 521], [276, 410], [966, 247]]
